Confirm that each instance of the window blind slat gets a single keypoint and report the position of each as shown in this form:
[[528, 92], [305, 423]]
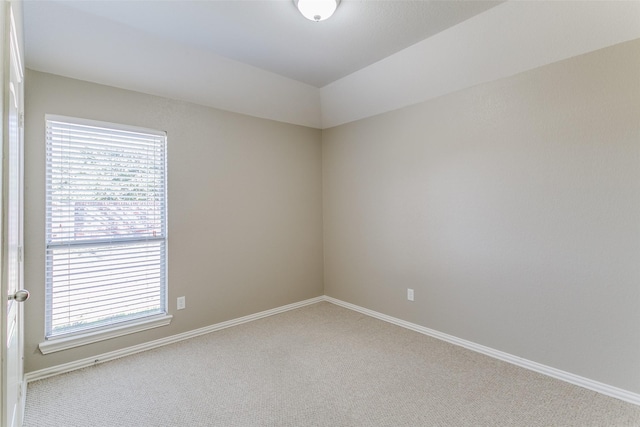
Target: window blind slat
[[99, 308], [104, 303]]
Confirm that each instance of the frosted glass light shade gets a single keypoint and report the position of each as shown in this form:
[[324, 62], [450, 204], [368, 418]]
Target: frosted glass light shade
[[317, 10]]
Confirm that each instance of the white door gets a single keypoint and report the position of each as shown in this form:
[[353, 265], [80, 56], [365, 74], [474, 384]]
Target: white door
[[12, 191]]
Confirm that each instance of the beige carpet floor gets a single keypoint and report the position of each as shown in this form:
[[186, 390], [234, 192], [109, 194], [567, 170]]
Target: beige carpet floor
[[321, 365]]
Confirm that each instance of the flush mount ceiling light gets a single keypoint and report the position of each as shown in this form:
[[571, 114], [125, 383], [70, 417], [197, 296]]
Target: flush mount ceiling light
[[317, 10]]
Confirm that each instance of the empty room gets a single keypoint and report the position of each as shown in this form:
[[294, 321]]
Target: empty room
[[320, 213]]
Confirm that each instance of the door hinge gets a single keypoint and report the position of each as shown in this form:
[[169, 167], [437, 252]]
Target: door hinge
[[20, 253], [21, 121]]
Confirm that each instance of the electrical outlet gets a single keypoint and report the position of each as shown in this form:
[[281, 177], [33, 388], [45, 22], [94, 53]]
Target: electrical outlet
[[181, 303], [410, 294]]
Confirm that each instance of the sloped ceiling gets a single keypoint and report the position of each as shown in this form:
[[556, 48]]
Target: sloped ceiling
[[262, 58]]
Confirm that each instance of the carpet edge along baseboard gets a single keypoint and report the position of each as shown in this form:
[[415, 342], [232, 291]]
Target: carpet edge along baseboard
[[568, 377]]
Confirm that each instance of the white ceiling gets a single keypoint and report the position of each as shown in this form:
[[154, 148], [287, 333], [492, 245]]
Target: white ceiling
[[268, 34], [262, 58]]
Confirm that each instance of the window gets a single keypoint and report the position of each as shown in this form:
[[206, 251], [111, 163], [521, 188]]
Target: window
[[106, 232]]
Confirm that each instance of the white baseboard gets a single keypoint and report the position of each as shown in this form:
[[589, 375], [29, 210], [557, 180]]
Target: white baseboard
[[587, 383], [89, 361]]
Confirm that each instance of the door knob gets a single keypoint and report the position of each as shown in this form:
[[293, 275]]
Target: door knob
[[20, 296]]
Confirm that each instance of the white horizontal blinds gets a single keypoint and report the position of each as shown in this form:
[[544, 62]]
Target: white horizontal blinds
[[105, 225]]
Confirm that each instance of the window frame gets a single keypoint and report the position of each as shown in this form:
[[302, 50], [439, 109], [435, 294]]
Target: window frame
[[110, 329]]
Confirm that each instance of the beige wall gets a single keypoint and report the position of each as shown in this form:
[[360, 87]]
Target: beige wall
[[512, 208], [245, 212]]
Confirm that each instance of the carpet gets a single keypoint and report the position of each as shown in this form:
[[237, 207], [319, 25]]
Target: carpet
[[320, 365]]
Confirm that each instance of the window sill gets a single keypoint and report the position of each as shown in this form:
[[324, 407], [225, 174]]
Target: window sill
[[65, 343]]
